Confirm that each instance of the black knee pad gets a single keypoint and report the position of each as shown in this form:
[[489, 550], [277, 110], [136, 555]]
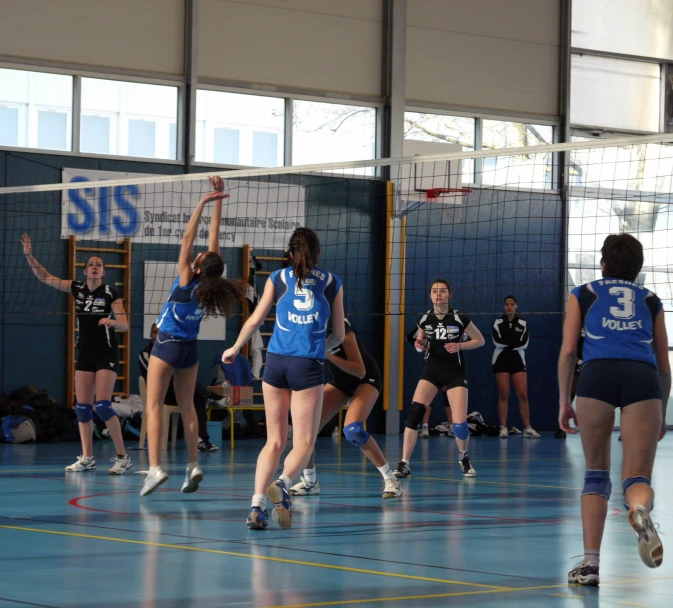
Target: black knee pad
[[415, 415]]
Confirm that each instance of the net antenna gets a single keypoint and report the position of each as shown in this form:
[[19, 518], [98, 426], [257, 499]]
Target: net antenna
[[428, 182]]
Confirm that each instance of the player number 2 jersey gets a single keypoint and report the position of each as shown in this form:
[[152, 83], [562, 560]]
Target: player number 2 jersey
[[618, 320], [302, 313], [91, 307]]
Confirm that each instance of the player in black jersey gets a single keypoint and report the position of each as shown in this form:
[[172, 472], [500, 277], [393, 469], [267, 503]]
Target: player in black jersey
[[100, 313], [356, 380], [441, 334], [511, 338]]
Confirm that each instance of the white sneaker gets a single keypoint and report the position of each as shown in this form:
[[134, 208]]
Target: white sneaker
[[83, 463], [649, 545], [515, 431], [425, 432], [193, 477], [531, 433], [504, 433], [305, 488], [393, 488], [121, 465], [153, 480]]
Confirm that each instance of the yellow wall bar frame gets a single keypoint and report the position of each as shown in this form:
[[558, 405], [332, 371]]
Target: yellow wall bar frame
[[390, 207]]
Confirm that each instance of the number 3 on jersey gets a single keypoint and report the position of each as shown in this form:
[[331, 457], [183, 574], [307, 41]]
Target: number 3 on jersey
[[625, 297], [306, 294]]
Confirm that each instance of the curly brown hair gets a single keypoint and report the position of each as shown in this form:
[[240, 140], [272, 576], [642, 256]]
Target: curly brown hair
[[215, 295], [305, 249]]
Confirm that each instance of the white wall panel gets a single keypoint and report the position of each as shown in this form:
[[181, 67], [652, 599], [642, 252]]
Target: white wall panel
[[129, 34], [331, 46], [484, 54]]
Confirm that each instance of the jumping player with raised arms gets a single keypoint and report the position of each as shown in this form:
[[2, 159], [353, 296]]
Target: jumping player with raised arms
[[440, 337], [100, 314], [198, 290]]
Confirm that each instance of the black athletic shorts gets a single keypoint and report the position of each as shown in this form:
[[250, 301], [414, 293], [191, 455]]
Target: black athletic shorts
[[619, 382], [95, 360], [443, 376], [348, 384], [509, 362]]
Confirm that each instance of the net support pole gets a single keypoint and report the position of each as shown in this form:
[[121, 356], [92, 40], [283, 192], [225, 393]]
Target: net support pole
[[394, 317]]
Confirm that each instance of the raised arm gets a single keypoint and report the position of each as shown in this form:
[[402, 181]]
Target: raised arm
[[187, 249], [216, 218], [40, 271], [253, 323]]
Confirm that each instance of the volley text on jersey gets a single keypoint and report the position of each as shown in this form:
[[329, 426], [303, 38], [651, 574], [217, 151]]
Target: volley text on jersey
[[181, 315]]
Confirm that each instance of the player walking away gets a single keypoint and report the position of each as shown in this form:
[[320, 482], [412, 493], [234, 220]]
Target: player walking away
[[625, 365], [199, 289], [440, 337], [100, 314], [356, 380], [306, 296], [511, 337]]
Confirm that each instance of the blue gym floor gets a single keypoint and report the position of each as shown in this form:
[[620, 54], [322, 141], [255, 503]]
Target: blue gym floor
[[507, 538]]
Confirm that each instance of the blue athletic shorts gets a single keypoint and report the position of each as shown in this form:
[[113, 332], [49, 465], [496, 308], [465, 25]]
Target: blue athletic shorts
[[295, 373], [179, 354], [619, 382]]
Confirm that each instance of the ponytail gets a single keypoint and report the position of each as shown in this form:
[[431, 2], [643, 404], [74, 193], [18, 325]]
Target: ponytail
[[305, 249]]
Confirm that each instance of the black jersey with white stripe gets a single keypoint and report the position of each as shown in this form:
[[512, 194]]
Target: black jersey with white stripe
[[441, 330], [91, 307], [510, 336]]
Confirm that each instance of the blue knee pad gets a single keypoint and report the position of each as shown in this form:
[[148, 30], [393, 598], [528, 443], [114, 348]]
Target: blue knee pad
[[84, 412], [632, 481], [104, 410], [356, 434], [597, 482], [461, 430]]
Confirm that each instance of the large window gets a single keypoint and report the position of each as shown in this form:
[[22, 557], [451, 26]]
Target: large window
[[128, 119], [615, 94], [329, 133], [449, 129], [35, 110], [522, 171], [235, 129]]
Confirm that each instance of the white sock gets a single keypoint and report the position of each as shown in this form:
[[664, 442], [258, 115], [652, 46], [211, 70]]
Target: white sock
[[191, 465], [425, 426], [405, 461], [259, 500], [386, 472], [592, 558], [286, 480], [310, 475], [153, 470]]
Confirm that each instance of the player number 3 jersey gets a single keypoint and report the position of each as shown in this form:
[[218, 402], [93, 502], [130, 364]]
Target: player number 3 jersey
[[302, 313], [618, 319]]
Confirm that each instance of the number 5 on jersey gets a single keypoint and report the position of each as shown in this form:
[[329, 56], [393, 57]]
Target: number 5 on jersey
[[306, 294]]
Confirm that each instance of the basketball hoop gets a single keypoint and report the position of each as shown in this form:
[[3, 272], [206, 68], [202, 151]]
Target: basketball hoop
[[434, 194]]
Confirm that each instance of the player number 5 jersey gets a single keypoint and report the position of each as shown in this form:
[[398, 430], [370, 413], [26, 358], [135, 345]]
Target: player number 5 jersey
[[618, 319], [302, 313]]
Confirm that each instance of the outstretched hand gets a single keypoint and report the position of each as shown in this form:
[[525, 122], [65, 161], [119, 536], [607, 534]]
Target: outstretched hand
[[27, 245], [565, 415], [218, 193]]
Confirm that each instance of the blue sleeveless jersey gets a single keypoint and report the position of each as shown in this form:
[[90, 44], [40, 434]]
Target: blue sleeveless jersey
[[302, 314], [181, 315], [618, 320]]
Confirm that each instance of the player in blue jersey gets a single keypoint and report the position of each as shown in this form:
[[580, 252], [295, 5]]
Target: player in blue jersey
[[200, 289], [625, 365], [442, 335], [307, 298]]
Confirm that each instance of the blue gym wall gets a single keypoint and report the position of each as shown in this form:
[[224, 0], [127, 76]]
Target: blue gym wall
[[348, 214], [493, 244]]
